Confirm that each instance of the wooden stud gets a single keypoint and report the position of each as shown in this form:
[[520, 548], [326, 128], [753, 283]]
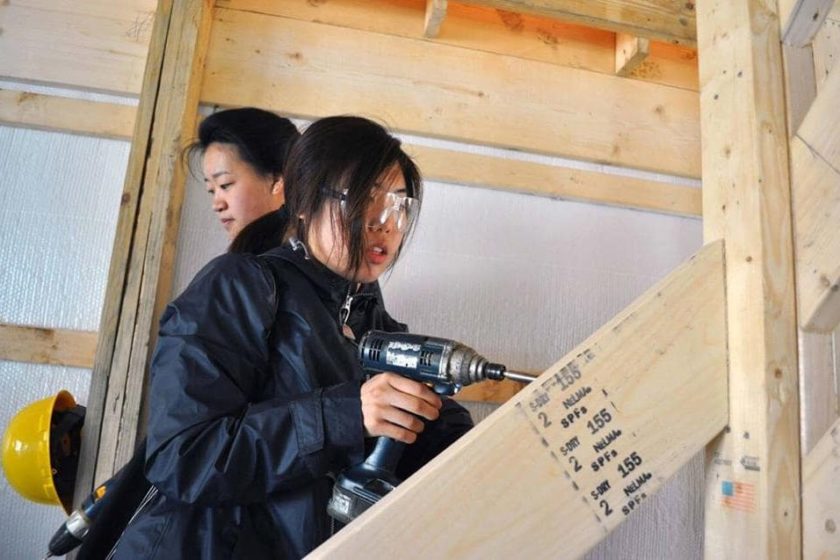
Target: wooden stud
[[630, 52], [175, 122], [40, 345], [821, 499], [801, 19], [567, 459], [436, 90], [435, 14], [815, 175], [118, 274], [753, 486], [671, 21], [140, 277]]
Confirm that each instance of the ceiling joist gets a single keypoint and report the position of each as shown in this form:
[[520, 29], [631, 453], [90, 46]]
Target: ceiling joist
[[671, 21]]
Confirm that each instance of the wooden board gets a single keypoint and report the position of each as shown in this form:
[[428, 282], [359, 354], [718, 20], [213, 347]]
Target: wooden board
[[826, 48], [821, 498], [815, 188], [569, 457], [815, 176], [415, 86], [96, 44], [557, 182], [801, 19], [665, 20], [800, 84], [39, 345], [151, 267], [49, 112], [818, 389], [116, 308], [493, 31], [753, 485]]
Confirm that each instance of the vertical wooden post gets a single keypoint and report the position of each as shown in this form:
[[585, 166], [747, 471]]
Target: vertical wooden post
[[753, 485], [141, 273]]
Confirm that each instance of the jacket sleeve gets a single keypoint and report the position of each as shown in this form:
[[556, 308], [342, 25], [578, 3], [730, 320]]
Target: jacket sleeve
[[211, 440]]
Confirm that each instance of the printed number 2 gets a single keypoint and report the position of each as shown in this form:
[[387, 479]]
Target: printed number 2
[[607, 509], [544, 417]]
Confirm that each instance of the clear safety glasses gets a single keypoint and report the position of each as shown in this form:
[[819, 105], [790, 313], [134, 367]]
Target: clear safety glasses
[[383, 205]]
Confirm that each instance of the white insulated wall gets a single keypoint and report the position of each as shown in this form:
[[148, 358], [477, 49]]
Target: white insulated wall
[[60, 196], [520, 278]]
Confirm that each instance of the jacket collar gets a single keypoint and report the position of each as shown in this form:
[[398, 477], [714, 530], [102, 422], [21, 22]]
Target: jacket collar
[[333, 288]]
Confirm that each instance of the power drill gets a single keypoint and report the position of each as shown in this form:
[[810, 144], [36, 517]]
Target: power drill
[[446, 366], [73, 531]]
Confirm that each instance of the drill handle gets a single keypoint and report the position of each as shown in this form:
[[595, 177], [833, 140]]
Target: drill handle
[[386, 454]]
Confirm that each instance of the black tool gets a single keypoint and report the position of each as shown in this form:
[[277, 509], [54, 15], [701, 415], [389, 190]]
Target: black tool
[[446, 366]]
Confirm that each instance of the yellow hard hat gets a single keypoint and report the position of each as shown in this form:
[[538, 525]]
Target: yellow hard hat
[[41, 448]]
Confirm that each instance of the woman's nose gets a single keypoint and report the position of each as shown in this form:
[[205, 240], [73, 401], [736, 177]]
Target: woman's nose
[[218, 202]]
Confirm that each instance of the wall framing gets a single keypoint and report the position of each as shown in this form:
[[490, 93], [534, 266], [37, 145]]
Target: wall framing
[[761, 244]]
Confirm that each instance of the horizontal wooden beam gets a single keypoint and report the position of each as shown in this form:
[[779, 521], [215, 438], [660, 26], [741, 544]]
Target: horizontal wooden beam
[[464, 168], [815, 184], [47, 112], [821, 499], [490, 30], [802, 19], [90, 45], [40, 345], [435, 90], [672, 21], [77, 116], [573, 454]]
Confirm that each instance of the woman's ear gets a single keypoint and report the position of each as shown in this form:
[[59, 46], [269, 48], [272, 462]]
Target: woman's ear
[[278, 186]]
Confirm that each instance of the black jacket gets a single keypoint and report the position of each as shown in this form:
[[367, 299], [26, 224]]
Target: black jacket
[[254, 406]]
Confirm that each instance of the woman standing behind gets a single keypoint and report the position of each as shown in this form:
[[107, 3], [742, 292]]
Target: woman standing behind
[[243, 153], [257, 398]]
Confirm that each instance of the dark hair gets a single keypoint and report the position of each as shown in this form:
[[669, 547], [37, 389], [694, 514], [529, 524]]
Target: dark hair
[[338, 153], [262, 139], [263, 234]]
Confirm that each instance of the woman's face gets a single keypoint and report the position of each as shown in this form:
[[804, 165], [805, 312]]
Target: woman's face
[[240, 194], [381, 241]]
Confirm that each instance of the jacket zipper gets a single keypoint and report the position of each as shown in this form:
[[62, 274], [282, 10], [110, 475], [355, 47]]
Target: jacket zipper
[[344, 312]]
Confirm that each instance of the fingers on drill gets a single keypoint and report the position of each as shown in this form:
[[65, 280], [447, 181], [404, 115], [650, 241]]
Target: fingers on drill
[[404, 394]]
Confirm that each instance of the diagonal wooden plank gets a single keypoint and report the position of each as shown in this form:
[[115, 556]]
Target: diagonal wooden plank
[[815, 183], [815, 190], [821, 498], [569, 457]]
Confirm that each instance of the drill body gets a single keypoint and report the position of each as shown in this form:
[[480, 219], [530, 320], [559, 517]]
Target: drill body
[[445, 365]]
